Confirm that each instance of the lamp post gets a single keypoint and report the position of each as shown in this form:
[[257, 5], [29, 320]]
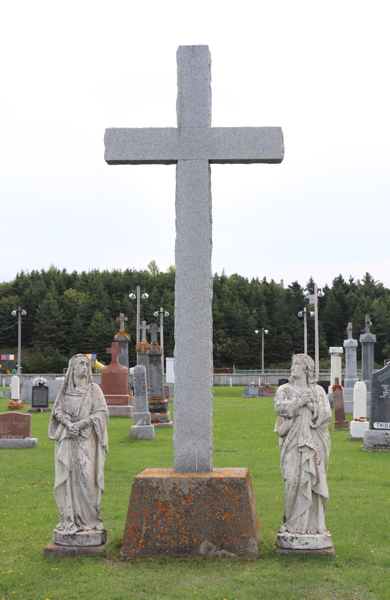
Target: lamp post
[[20, 312], [137, 294], [303, 313], [313, 299], [163, 313], [263, 331]]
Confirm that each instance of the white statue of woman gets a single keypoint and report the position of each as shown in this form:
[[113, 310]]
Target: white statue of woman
[[79, 426], [303, 416]]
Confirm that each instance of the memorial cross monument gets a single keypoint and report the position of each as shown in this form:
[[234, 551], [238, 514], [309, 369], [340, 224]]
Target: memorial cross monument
[[193, 146]]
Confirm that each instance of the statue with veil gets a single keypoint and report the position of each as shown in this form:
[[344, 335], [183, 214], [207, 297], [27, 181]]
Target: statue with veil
[[302, 426], [79, 427]]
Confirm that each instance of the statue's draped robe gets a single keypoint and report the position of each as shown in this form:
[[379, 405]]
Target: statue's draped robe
[[304, 451], [79, 478]]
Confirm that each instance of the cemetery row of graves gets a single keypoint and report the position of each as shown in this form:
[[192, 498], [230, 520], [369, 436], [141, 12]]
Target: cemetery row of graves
[[75, 312]]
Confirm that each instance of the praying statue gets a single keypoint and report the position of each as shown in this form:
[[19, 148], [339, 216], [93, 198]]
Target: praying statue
[[79, 427], [303, 416]]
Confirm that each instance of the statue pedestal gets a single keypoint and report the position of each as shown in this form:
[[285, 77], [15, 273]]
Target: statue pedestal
[[295, 543], [82, 543]]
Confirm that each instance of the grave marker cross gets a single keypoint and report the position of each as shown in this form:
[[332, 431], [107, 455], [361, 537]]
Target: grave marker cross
[[122, 320], [143, 328], [192, 146], [114, 351], [154, 330], [350, 331]]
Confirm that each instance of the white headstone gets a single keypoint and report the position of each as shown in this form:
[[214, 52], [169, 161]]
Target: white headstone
[[15, 387], [193, 146], [170, 370], [360, 400], [336, 353]]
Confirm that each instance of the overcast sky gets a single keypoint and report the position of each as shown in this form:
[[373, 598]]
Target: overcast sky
[[320, 70]]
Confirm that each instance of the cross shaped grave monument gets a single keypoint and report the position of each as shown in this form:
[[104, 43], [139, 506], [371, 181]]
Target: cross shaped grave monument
[[122, 337], [158, 405], [350, 346], [193, 146], [114, 384], [367, 340], [144, 328]]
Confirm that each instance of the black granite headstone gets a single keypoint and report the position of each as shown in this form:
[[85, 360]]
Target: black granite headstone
[[282, 381], [40, 396], [324, 384], [380, 399]]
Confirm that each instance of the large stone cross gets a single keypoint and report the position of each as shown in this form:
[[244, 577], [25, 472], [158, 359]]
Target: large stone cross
[[114, 351], [192, 146], [154, 330], [143, 328], [367, 324], [122, 320], [350, 331]]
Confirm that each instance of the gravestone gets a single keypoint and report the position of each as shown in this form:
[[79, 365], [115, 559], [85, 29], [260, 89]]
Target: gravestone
[[123, 338], [53, 386], [39, 399], [142, 427], [15, 403], [359, 424], [336, 353], [266, 391], [351, 378], [142, 353], [251, 391], [282, 381], [166, 392], [378, 435], [192, 489], [158, 405], [367, 340], [15, 431], [114, 385], [338, 402]]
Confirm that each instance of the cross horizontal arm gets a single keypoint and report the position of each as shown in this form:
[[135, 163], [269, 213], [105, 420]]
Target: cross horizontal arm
[[216, 144]]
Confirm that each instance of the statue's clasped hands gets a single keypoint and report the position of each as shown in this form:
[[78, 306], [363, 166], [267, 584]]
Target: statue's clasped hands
[[306, 400], [73, 429]]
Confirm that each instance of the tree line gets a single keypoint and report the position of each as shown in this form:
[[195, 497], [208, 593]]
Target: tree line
[[68, 313]]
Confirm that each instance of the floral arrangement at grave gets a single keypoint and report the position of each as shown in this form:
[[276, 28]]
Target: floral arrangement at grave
[[40, 381]]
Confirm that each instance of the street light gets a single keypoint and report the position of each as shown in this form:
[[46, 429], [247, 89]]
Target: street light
[[312, 296], [263, 331], [137, 294], [303, 313], [163, 313], [21, 313]]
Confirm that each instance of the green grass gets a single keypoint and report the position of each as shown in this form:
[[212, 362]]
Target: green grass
[[358, 516]]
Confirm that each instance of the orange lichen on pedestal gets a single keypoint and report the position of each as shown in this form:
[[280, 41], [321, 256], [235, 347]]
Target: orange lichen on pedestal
[[181, 517]]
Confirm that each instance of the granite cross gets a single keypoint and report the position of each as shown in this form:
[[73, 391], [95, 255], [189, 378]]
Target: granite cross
[[193, 146], [114, 351], [143, 328], [153, 332], [367, 324], [122, 320], [349, 330]]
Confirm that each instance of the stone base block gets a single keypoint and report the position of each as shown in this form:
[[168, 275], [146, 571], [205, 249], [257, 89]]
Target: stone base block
[[57, 551], [191, 514], [357, 429], [376, 440], [13, 405], [142, 418], [159, 418], [348, 400], [340, 424], [80, 539], [18, 443], [159, 425], [43, 409], [120, 411], [296, 541], [142, 432]]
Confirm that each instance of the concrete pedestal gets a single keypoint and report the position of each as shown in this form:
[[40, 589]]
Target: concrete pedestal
[[120, 411], [9, 444], [376, 440], [142, 432], [358, 429], [57, 551], [191, 514]]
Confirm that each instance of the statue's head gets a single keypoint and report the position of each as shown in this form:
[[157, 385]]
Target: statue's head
[[79, 366], [302, 364]]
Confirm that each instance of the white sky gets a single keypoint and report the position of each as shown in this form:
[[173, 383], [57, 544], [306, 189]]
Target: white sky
[[320, 70]]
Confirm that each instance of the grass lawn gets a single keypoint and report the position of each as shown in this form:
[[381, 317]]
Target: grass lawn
[[358, 516]]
